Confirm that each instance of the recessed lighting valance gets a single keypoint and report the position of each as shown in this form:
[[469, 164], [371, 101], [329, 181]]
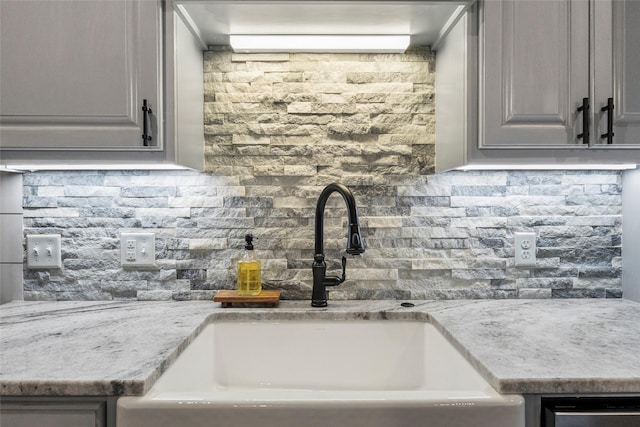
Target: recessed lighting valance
[[319, 43]]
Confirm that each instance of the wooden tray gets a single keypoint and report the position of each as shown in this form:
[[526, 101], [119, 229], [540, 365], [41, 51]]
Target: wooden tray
[[227, 298]]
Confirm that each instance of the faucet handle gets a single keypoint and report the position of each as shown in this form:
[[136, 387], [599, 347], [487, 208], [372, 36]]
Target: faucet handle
[[336, 280]]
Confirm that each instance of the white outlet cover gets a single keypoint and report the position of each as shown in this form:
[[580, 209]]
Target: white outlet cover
[[138, 249], [525, 249], [44, 251]]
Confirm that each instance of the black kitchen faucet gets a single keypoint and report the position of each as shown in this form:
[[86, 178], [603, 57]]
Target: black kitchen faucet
[[355, 244]]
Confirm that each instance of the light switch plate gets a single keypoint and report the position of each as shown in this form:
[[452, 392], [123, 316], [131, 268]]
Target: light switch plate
[[44, 251], [138, 249], [525, 249]]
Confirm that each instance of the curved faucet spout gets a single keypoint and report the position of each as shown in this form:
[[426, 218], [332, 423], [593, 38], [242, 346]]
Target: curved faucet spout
[[355, 243]]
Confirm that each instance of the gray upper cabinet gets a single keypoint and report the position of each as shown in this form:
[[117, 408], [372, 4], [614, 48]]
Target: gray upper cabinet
[[75, 73], [616, 41], [523, 83], [535, 68], [534, 71], [74, 76]]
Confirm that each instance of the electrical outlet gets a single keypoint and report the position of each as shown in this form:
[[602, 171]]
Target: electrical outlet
[[138, 249], [44, 251], [525, 248]]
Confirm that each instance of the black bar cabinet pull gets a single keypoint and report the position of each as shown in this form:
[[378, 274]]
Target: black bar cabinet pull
[[584, 109], [609, 109], [146, 123]]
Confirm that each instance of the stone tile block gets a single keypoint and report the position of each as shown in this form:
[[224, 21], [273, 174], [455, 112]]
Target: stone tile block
[[300, 170], [243, 76], [198, 244], [534, 293], [268, 170], [268, 66], [52, 213], [325, 76], [155, 295], [349, 128], [251, 140], [303, 119], [592, 178], [39, 202]]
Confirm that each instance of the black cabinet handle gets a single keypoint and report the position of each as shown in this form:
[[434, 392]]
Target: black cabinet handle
[[146, 123], [609, 109], [584, 109]]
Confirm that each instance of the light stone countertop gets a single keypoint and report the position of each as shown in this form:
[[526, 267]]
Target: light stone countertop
[[121, 348]]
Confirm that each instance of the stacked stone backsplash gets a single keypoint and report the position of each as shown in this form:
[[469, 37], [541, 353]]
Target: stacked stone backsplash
[[279, 128], [443, 236], [311, 118]]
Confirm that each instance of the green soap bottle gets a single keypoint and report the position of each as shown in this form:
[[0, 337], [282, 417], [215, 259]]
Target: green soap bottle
[[249, 280]]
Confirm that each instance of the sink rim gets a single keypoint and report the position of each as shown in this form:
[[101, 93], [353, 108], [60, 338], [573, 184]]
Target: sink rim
[[265, 394]]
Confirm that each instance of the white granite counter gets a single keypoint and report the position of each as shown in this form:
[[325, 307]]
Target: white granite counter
[[121, 348]]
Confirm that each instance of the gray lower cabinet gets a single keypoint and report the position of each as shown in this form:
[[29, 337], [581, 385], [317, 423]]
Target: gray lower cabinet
[[57, 412], [539, 61]]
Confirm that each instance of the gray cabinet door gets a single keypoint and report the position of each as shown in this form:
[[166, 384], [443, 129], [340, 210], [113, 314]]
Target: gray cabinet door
[[534, 72], [616, 41], [54, 414], [73, 74]]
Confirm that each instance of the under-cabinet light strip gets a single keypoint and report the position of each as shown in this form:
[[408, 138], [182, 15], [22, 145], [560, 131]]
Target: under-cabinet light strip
[[618, 166], [81, 166]]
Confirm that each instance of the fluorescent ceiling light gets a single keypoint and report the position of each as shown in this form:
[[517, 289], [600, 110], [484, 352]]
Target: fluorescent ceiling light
[[319, 43]]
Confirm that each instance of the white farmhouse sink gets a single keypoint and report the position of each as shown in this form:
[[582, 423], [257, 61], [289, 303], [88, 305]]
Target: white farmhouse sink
[[321, 373]]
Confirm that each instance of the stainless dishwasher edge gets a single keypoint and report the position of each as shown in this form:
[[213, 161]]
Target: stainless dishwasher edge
[[591, 412]]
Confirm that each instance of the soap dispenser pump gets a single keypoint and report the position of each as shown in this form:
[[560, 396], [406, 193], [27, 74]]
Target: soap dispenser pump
[[249, 280]]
